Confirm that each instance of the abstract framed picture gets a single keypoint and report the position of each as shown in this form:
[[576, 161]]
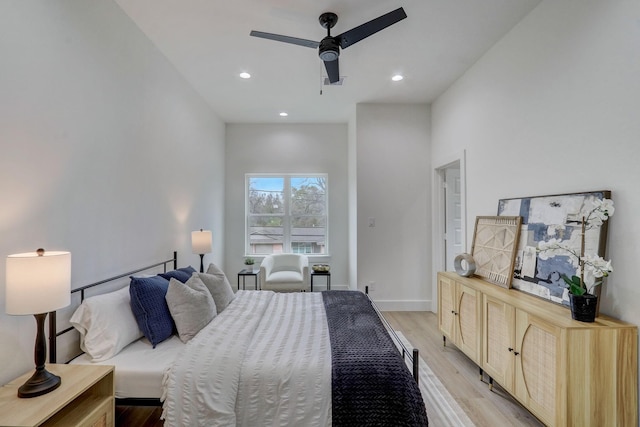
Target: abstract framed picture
[[495, 241], [552, 217]]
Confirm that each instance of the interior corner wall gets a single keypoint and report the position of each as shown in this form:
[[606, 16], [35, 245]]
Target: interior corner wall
[[553, 108], [288, 148], [393, 204], [106, 151], [353, 202]]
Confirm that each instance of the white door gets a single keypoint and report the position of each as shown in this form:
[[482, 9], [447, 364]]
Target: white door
[[453, 214]]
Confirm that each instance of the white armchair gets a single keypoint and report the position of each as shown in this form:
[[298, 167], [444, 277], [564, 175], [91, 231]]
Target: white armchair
[[285, 273]]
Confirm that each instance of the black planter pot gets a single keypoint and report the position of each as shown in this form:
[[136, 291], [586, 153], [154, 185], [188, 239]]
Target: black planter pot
[[583, 307]]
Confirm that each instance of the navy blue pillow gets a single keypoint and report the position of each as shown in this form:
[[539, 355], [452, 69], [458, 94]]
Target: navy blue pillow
[[150, 308], [181, 274]]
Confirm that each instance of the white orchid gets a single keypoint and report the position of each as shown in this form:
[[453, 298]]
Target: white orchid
[[601, 211], [590, 269], [554, 247], [595, 268]]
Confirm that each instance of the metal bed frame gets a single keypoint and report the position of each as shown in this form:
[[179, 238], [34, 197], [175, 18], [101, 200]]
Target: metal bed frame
[[54, 334], [413, 356]]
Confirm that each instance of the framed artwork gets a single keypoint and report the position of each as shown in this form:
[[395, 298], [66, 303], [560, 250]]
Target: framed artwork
[[495, 241], [544, 218]]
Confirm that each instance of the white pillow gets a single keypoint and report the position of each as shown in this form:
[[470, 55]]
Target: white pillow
[[218, 285], [106, 324], [191, 306]]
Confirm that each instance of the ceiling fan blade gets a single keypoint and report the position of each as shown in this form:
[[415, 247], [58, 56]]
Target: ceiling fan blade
[[333, 70], [286, 39], [363, 31]]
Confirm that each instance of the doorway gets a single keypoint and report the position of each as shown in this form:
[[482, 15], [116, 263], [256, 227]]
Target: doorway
[[449, 213], [452, 214]]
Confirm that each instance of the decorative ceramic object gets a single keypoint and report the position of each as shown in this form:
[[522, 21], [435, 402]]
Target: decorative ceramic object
[[465, 265]]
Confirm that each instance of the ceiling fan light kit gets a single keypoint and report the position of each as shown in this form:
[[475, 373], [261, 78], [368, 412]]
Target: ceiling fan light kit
[[329, 47]]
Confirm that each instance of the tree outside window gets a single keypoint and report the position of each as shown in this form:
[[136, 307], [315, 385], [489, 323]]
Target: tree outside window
[[286, 214]]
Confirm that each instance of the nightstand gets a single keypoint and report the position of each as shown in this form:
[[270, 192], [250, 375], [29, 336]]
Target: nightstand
[[325, 274], [249, 272], [85, 398]]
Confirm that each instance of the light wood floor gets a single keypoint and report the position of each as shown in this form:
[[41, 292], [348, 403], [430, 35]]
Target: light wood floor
[[459, 375]]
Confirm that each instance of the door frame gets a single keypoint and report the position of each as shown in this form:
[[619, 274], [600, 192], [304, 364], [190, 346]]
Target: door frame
[[439, 215]]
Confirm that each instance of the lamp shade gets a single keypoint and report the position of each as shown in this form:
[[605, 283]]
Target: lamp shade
[[201, 242], [38, 283]]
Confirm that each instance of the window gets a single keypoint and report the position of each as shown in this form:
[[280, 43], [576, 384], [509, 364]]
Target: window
[[286, 214]]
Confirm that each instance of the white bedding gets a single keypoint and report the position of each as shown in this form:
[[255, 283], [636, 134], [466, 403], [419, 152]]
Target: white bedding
[[265, 360], [139, 367]]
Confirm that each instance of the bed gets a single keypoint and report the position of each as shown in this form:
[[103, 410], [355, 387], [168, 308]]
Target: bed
[[265, 358]]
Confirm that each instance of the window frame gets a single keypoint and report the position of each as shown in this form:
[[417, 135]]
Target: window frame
[[287, 215]]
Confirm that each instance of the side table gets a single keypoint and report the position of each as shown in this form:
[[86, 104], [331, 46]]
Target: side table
[[249, 272], [325, 274], [85, 398]]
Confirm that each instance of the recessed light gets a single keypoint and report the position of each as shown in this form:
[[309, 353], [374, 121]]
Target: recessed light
[[245, 75], [284, 114], [397, 78]]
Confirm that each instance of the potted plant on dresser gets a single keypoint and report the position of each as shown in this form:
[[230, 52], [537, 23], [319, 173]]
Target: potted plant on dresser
[[590, 268]]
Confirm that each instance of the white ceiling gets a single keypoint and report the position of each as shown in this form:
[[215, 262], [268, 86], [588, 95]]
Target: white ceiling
[[208, 42]]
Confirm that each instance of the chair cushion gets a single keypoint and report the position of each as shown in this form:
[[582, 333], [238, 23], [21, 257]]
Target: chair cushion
[[284, 262], [285, 277]]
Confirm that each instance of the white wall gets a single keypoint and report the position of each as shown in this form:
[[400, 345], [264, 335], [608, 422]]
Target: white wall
[[353, 202], [105, 151], [287, 148], [554, 108], [394, 188]]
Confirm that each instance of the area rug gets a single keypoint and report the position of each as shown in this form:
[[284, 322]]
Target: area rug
[[442, 409]]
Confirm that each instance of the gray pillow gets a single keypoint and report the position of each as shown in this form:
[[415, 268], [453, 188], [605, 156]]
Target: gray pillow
[[191, 306], [218, 285]]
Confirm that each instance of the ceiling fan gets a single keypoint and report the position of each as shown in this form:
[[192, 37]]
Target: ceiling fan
[[329, 47]]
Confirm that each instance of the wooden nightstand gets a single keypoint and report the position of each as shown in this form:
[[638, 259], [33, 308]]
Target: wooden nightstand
[[85, 398]]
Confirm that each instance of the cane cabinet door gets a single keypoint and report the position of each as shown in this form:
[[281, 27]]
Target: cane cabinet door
[[459, 314], [468, 321], [537, 365], [447, 307], [498, 341]]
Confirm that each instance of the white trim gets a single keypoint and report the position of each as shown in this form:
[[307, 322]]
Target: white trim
[[404, 305], [439, 165]]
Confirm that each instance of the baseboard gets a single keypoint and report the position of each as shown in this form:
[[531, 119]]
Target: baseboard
[[391, 305], [403, 305]]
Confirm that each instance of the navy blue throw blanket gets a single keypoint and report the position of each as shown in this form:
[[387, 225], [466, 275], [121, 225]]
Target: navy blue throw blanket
[[371, 384]]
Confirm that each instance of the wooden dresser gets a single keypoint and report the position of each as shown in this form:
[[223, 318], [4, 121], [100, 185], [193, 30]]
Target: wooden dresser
[[567, 373], [85, 398]]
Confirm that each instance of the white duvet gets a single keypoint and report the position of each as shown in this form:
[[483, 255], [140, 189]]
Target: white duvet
[[265, 360]]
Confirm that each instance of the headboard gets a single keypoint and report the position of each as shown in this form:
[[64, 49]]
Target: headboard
[[53, 327]]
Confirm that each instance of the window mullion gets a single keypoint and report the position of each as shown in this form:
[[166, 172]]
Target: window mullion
[[286, 229]]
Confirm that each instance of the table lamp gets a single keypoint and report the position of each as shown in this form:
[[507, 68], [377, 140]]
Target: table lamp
[[201, 244], [37, 283]]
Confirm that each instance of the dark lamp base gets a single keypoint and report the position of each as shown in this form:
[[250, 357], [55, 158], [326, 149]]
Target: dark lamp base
[[41, 382]]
